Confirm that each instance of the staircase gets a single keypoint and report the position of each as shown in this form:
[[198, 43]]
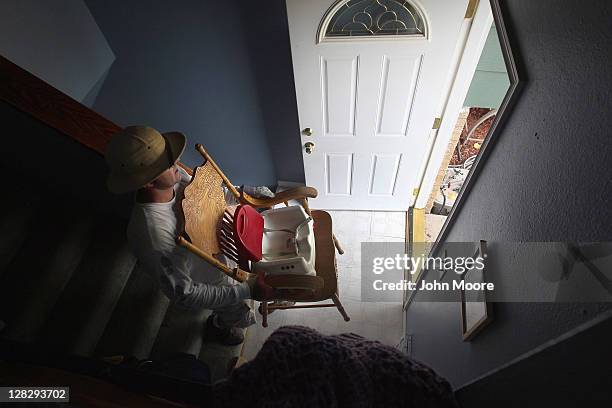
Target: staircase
[[69, 284], [68, 281]]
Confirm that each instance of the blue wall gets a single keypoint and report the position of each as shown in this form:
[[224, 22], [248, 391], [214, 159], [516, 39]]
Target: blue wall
[[267, 35], [185, 66]]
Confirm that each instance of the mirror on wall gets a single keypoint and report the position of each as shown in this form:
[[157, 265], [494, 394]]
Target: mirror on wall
[[485, 95], [489, 93]]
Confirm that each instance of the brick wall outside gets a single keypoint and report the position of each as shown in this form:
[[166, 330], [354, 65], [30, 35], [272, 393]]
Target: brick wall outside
[[459, 125]]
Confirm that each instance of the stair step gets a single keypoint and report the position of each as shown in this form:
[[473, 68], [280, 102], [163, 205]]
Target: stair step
[[41, 295], [136, 320], [184, 331], [87, 303], [16, 217], [222, 359], [181, 331], [45, 256], [219, 358]]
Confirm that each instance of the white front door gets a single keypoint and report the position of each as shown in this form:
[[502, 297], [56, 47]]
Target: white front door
[[367, 102]]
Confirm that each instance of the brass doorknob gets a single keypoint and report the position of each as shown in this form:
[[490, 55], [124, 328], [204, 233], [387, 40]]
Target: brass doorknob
[[309, 146], [307, 132]]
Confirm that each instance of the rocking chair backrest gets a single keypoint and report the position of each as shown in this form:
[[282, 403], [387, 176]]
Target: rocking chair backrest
[[204, 204], [240, 235], [248, 227], [203, 208]]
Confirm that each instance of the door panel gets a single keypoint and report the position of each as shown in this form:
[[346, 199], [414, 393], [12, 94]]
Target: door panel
[[339, 171], [339, 89], [383, 175], [397, 88]]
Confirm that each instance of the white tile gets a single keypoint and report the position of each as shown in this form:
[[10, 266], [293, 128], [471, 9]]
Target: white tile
[[376, 321]]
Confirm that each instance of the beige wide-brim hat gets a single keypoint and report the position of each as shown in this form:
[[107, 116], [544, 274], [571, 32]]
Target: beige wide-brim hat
[[138, 155]]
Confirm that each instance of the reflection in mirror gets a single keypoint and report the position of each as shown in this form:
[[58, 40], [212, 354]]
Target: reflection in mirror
[[486, 93]]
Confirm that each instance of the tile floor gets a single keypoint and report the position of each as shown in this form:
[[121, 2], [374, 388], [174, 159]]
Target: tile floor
[[379, 321]]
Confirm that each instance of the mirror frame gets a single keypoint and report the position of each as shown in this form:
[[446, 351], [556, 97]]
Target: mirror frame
[[517, 79]]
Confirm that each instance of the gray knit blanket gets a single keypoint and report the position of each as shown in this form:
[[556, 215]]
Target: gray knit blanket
[[300, 367]]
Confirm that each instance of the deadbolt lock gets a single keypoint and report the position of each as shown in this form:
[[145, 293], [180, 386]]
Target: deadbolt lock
[[309, 147], [307, 131]]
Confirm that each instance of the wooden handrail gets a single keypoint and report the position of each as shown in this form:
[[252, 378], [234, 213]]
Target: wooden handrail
[[32, 95]]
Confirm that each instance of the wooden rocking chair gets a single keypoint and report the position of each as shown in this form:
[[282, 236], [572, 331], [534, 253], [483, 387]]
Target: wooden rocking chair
[[208, 232]]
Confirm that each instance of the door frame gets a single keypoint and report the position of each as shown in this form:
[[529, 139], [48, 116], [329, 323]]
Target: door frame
[[454, 50], [470, 44]]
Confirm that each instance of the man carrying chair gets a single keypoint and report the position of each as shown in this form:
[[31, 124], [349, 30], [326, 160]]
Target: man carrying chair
[[144, 161]]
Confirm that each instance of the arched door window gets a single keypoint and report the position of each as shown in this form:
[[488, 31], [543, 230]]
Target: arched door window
[[371, 18]]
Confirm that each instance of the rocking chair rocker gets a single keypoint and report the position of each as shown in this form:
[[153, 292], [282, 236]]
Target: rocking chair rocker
[[211, 229]]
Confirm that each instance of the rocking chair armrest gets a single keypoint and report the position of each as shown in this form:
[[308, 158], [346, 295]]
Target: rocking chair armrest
[[296, 193], [236, 273]]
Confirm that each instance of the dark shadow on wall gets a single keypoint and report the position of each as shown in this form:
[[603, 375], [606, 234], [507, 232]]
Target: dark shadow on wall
[[549, 378], [57, 162], [547, 178], [267, 34], [185, 66]]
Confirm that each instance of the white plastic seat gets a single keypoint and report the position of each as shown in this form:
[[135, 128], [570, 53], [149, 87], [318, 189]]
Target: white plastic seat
[[288, 243]]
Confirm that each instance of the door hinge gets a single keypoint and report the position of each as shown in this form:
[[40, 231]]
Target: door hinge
[[436, 124], [471, 9], [415, 191]]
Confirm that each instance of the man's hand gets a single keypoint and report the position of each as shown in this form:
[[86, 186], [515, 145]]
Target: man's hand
[[259, 289]]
